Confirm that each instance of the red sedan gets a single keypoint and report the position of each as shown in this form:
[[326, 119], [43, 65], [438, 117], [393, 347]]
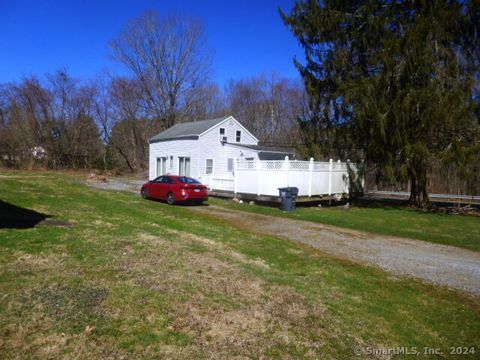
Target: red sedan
[[175, 189]]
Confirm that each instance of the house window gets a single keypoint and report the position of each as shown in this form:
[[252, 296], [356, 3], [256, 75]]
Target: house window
[[184, 166], [222, 133], [238, 136], [208, 166], [161, 165], [171, 162]]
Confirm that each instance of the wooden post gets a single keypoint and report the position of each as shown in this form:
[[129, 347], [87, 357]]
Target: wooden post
[[330, 178], [310, 176], [286, 166]]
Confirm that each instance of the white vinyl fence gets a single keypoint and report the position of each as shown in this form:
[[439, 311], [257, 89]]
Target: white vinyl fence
[[264, 177]]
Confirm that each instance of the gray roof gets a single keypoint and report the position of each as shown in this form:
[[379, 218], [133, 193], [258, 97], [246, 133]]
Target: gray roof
[[266, 152], [269, 155], [189, 130], [266, 148]]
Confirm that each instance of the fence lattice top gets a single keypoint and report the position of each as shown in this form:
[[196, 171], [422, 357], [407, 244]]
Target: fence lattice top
[[299, 165], [291, 165]]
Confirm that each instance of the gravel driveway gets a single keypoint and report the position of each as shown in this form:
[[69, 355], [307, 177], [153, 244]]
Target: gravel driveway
[[132, 185], [440, 264]]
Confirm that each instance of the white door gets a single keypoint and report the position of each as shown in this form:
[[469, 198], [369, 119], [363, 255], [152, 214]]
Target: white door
[[161, 166], [184, 166]]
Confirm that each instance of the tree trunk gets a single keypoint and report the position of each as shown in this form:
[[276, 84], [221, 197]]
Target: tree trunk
[[129, 164], [31, 163], [418, 189]]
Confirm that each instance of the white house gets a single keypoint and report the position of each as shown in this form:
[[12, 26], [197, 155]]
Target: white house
[[226, 157], [206, 148]]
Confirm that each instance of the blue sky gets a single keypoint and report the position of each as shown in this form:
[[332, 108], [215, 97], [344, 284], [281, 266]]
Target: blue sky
[[38, 37]]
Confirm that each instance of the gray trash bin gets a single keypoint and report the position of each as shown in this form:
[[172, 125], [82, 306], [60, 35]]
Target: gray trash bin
[[288, 195]]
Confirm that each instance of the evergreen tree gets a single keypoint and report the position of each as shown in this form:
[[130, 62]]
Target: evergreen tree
[[394, 79]]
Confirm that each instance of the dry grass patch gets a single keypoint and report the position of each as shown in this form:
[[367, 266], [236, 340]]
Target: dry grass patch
[[68, 304], [53, 322], [271, 318], [39, 267], [102, 223], [223, 309], [221, 249], [36, 262]]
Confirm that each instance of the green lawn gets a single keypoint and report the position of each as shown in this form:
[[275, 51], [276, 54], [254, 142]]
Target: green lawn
[[456, 230], [140, 279]]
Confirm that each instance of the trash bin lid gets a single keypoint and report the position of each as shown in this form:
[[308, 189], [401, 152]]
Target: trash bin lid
[[294, 191], [289, 190]]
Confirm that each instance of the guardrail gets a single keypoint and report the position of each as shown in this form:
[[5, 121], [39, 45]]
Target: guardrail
[[432, 196]]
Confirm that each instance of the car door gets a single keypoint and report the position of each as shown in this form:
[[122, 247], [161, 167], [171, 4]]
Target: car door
[[167, 186], [155, 187], [164, 187]]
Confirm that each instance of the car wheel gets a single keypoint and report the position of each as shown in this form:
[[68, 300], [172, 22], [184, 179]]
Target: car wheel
[[170, 199], [144, 193]]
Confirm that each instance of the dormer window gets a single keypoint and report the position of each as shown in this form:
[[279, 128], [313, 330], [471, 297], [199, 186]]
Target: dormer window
[[238, 136]]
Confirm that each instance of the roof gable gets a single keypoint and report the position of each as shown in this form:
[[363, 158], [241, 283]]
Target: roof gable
[[193, 130], [188, 130], [236, 121]]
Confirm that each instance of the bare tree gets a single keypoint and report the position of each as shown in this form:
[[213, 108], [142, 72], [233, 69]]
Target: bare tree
[[125, 126], [26, 120], [269, 106], [208, 102], [74, 138], [167, 56], [131, 130], [49, 123]]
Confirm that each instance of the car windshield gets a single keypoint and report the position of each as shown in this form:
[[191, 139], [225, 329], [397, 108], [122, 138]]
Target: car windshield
[[187, 180]]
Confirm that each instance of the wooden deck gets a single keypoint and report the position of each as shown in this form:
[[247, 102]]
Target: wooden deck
[[224, 194]]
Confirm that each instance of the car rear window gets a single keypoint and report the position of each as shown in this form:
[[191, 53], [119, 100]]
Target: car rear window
[[187, 180]]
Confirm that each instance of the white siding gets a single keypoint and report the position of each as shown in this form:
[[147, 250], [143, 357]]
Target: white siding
[[175, 148], [208, 146]]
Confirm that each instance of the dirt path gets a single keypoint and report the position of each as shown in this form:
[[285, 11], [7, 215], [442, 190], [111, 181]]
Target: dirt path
[[441, 264]]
